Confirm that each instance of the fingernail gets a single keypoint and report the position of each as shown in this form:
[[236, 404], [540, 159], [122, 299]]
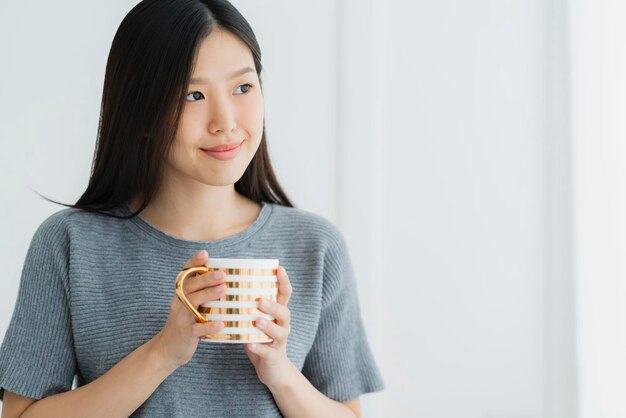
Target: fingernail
[[263, 303], [201, 253], [261, 321]]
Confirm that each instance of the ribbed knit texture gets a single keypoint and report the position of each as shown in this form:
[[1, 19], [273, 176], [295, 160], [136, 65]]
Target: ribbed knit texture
[[95, 288]]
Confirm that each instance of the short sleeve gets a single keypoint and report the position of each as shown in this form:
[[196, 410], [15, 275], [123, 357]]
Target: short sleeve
[[37, 354], [340, 363]]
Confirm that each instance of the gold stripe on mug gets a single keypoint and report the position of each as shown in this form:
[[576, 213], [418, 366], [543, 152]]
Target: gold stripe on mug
[[247, 298], [239, 324], [228, 311], [246, 271], [237, 317], [238, 337], [230, 304], [251, 285]]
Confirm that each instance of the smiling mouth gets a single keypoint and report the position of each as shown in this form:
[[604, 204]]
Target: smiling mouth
[[224, 147], [226, 154]]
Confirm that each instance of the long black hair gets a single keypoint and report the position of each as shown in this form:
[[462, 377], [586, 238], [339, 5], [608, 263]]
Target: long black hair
[[150, 62]]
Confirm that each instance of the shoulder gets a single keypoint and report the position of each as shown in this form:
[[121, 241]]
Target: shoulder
[[61, 221], [59, 227], [54, 227], [49, 250], [302, 225], [303, 221]]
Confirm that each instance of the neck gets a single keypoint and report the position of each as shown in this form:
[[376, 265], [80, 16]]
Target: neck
[[198, 211]]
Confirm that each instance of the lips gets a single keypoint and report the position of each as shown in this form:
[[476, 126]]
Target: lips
[[224, 155], [224, 147]]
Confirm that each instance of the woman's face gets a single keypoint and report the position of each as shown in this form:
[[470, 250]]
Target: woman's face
[[224, 105]]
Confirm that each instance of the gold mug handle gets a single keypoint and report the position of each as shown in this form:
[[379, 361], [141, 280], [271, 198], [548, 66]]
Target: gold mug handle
[[180, 279]]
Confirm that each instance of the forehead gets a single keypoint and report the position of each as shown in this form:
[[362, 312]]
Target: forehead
[[219, 54]]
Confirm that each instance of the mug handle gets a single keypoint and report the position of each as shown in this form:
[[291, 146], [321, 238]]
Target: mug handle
[[180, 279]]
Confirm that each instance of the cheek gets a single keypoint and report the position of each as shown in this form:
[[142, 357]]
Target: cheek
[[190, 124], [252, 117], [177, 156], [188, 129]]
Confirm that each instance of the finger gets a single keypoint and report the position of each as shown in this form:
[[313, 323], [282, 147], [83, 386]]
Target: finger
[[211, 278], [278, 333], [204, 328], [198, 259], [275, 309], [284, 287], [262, 350], [206, 294]]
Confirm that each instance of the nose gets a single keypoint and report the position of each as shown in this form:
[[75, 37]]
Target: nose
[[222, 115]]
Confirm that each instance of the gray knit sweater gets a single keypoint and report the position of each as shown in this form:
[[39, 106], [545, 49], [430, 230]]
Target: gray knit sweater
[[94, 288]]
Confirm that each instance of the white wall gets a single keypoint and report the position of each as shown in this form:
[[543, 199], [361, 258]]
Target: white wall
[[560, 371], [463, 216], [598, 108], [426, 130]]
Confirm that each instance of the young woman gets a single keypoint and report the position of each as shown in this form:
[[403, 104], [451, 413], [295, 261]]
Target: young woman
[[96, 300]]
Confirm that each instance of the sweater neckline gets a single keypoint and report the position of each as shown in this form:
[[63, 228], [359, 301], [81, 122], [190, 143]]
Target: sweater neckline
[[228, 241]]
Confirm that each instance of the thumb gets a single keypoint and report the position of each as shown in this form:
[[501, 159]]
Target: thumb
[[198, 259]]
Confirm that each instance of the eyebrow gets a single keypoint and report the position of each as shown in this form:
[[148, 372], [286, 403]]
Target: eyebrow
[[242, 71]]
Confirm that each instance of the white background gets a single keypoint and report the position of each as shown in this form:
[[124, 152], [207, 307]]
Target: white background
[[469, 150]]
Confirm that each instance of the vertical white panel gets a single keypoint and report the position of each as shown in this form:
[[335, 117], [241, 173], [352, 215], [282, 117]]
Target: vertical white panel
[[560, 383], [599, 106], [463, 225]]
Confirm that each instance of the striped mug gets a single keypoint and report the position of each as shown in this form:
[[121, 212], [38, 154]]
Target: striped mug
[[247, 280]]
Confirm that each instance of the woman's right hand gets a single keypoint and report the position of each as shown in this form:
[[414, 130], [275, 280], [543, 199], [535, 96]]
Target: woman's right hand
[[179, 338]]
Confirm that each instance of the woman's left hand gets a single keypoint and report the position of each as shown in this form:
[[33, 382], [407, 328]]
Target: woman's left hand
[[270, 359]]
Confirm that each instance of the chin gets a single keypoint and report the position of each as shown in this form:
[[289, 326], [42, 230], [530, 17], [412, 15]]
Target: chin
[[221, 180]]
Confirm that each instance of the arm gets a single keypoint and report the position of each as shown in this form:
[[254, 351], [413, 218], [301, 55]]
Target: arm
[[299, 398], [355, 406], [117, 393]]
